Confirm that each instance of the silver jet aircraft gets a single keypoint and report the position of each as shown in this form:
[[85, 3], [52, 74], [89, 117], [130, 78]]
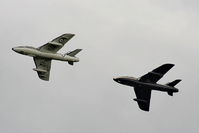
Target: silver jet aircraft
[[145, 84], [45, 54]]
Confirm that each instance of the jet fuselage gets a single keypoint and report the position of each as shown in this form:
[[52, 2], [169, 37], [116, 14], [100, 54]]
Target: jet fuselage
[[34, 52], [134, 82]]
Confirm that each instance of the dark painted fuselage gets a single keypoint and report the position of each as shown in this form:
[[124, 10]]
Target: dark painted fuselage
[[134, 82]]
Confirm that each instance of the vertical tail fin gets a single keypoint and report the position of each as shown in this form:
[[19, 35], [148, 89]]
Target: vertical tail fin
[[173, 83]]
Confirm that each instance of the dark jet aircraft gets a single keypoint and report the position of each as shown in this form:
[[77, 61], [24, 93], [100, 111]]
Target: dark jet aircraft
[[145, 84]]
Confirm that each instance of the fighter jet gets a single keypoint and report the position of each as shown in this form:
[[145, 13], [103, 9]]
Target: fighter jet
[[45, 54], [146, 83]]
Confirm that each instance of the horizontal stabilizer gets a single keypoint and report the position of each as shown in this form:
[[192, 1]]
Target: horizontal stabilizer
[[73, 53], [175, 82]]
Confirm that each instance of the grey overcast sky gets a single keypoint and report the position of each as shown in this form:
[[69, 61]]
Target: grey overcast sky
[[118, 38]]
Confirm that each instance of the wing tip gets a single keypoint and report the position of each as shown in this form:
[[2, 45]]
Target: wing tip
[[44, 79], [79, 50], [144, 109], [165, 67], [169, 65], [69, 34], [179, 80]]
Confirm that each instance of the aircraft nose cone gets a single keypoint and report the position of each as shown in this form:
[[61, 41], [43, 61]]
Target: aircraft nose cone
[[13, 49], [16, 49], [115, 79]]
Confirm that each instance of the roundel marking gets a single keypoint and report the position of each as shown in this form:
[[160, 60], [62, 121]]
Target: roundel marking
[[61, 40]]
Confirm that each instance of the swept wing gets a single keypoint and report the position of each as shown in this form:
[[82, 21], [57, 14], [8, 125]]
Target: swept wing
[[43, 66], [56, 44], [143, 97], [156, 74]]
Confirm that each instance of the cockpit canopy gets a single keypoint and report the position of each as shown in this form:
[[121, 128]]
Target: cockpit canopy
[[124, 79]]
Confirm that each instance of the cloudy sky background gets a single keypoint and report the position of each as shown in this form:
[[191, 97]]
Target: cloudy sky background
[[123, 37]]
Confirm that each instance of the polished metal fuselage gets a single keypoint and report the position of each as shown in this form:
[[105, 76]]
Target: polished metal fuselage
[[34, 52]]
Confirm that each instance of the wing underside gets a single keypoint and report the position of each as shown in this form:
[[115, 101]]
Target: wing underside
[[42, 67], [56, 44], [156, 74], [143, 98]]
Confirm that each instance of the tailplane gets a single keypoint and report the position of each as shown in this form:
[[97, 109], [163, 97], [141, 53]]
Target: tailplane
[[73, 53], [175, 82], [172, 84]]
